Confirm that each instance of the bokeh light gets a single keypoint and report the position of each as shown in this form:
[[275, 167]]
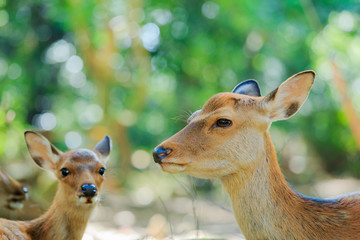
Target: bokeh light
[[14, 71], [59, 52], [346, 21], [74, 64], [73, 140], [4, 18], [135, 70], [297, 164], [210, 9], [124, 219], [77, 80], [45, 121], [150, 36], [143, 196], [162, 16], [140, 159]]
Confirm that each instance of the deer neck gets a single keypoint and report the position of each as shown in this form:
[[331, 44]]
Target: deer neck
[[62, 221], [255, 196]]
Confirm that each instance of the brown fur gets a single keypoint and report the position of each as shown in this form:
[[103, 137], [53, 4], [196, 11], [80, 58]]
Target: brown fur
[[68, 216], [292, 109], [243, 157], [272, 95]]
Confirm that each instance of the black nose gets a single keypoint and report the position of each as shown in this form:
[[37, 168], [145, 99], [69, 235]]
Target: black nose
[[160, 153], [89, 190]]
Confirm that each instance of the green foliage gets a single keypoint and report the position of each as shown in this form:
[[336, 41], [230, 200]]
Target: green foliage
[[135, 69]]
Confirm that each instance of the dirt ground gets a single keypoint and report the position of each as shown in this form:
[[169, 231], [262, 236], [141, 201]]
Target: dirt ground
[[174, 219], [119, 217]]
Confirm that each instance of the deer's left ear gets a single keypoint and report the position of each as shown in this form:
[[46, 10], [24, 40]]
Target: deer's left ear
[[5, 179], [286, 100], [248, 87], [42, 151], [104, 147]]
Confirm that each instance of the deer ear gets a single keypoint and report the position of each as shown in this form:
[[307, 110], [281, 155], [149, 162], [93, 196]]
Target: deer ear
[[286, 100], [248, 87], [44, 154], [104, 147], [4, 177]]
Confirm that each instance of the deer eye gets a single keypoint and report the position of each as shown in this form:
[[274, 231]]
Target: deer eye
[[102, 171], [223, 123], [64, 172]]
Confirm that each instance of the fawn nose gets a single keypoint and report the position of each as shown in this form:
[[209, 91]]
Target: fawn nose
[[21, 192], [160, 153], [89, 190]]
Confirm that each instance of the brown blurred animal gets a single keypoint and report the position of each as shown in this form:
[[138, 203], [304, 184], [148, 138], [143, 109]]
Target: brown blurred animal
[[80, 174], [12, 193], [229, 139]]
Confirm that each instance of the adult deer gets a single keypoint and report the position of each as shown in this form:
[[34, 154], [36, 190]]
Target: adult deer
[[80, 174], [12, 193], [229, 139]]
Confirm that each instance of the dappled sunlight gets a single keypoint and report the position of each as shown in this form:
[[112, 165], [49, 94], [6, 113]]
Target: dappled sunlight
[[135, 70], [59, 52], [141, 159], [73, 140], [45, 121], [150, 36], [210, 9], [142, 196]]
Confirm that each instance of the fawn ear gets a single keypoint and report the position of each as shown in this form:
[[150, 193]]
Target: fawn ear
[[8, 183], [4, 178], [104, 147], [44, 154], [286, 100], [249, 87]]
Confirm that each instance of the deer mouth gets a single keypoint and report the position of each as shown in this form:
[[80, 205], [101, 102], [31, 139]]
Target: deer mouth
[[16, 201], [15, 204], [173, 163], [172, 167], [88, 200]]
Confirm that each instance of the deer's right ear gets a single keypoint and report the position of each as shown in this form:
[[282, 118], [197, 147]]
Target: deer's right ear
[[44, 154], [286, 100], [248, 87], [104, 147]]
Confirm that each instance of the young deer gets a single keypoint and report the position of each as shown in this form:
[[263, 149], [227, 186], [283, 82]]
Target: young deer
[[229, 139], [12, 193], [80, 174]]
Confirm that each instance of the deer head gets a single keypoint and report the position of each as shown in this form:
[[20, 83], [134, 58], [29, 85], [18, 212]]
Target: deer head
[[80, 172], [227, 134], [13, 192]]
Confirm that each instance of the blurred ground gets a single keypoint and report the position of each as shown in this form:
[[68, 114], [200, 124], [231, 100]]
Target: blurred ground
[[118, 218]]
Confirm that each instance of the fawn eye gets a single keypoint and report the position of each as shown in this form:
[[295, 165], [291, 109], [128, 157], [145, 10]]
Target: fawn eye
[[102, 171], [64, 172], [223, 123]]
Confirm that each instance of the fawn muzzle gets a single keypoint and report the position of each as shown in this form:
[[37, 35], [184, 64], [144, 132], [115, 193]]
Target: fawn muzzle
[[160, 153], [16, 199], [89, 190]]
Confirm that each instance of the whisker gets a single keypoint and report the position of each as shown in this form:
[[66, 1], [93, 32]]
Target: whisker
[[183, 116]]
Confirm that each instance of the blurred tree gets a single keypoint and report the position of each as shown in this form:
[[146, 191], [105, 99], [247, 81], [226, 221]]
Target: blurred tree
[[81, 69]]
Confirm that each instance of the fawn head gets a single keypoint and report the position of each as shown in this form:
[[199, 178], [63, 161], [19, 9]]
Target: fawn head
[[227, 134], [80, 172], [13, 192]]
